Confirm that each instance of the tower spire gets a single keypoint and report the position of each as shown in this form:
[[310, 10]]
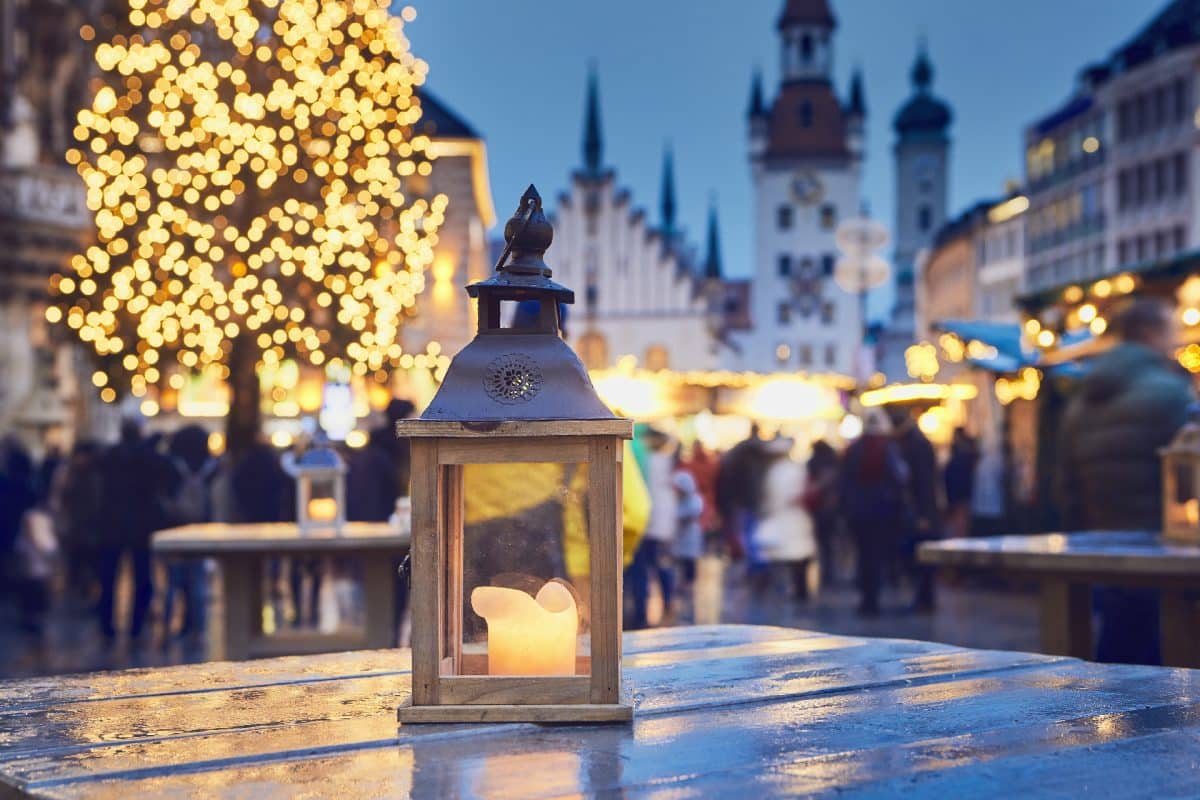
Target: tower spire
[[712, 256], [858, 101], [668, 193], [757, 106], [922, 70], [593, 143]]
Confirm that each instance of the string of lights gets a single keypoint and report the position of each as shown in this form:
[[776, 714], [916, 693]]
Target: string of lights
[[255, 176]]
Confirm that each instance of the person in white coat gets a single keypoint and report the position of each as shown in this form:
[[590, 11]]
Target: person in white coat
[[785, 534]]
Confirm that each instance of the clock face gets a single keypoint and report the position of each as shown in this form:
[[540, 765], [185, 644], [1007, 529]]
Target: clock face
[[806, 188]]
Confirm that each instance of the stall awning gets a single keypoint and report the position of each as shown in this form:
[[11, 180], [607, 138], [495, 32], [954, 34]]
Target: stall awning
[[1001, 340]]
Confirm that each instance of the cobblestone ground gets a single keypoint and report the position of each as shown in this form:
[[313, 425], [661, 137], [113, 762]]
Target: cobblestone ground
[[969, 614]]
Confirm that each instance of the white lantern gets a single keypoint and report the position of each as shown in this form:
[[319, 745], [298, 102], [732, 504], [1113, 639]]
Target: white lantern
[[1181, 484], [320, 475]]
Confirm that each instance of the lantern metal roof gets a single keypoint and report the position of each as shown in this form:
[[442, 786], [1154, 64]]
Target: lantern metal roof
[[319, 458], [525, 372]]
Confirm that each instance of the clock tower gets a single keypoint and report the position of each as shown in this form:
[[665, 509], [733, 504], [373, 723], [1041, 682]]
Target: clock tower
[[806, 149], [922, 172]]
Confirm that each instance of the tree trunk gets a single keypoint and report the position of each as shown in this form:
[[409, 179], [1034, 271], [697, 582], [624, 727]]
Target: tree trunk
[[245, 417]]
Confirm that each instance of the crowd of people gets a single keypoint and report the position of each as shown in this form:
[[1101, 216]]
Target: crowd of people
[[791, 526], [71, 522], [788, 526]]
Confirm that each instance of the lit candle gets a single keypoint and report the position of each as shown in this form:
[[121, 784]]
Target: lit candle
[[527, 635], [322, 509]]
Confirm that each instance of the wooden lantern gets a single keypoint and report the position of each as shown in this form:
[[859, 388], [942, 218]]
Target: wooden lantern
[[320, 475], [502, 629], [1181, 485]]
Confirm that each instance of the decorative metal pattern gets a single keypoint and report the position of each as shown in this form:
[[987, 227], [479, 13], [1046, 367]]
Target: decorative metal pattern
[[513, 378], [807, 286]]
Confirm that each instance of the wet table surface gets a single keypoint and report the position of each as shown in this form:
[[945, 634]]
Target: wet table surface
[[1068, 566], [721, 711], [240, 550], [1113, 553]]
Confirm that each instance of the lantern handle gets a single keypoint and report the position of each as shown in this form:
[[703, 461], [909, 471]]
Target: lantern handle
[[531, 204]]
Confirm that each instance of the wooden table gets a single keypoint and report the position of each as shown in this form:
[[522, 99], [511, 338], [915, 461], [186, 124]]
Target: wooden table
[[722, 711], [1068, 566], [241, 551]]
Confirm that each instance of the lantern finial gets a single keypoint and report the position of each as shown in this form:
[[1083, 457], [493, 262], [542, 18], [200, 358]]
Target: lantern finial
[[527, 236]]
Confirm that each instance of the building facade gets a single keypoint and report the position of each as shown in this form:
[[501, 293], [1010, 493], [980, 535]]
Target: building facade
[[641, 291], [806, 150], [1000, 260], [922, 170], [44, 66], [462, 254], [1112, 173], [948, 287]]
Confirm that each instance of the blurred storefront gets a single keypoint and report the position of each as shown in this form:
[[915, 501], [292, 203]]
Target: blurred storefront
[[718, 407]]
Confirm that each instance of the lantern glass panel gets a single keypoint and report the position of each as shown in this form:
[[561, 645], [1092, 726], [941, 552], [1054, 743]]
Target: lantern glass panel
[[1185, 492], [523, 607], [322, 498]]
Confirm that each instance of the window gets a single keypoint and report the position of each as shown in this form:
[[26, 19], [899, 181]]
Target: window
[[1180, 103], [806, 114], [827, 312], [827, 262], [924, 219], [1123, 121], [805, 355], [1179, 239], [1161, 243], [656, 357], [1160, 179], [828, 217], [1142, 251], [806, 48], [783, 217], [593, 350], [830, 355], [592, 295], [1142, 185], [1122, 252], [1160, 107], [784, 266], [1181, 173], [785, 313], [1124, 190]]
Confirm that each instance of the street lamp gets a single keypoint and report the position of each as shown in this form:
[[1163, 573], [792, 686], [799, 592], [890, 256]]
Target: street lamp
[[860, 267]]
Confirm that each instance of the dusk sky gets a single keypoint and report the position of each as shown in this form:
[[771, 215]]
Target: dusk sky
[[679, 71]]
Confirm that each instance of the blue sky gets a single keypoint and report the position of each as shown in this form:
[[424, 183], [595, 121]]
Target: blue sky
[[679, 71]]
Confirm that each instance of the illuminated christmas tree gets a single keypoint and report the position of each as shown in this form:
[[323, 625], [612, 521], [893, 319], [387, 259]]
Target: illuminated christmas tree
[[258, 194]]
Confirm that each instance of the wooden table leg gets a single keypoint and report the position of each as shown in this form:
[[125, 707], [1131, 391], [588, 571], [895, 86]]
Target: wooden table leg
[[1066, 619], [379, 594], [1180, 629], [240, 581]]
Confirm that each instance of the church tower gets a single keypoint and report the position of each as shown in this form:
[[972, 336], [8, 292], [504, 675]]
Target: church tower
[[922, 154], [805, 152]]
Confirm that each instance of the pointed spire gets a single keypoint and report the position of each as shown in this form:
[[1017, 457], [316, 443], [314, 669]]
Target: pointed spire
[[757, 107], [593, 144], [922, 70], [858, 99], [712, 256], [668, 193]]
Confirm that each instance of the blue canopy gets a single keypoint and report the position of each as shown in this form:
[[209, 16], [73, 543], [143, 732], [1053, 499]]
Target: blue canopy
[[1010, 356], [1005, 337]]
